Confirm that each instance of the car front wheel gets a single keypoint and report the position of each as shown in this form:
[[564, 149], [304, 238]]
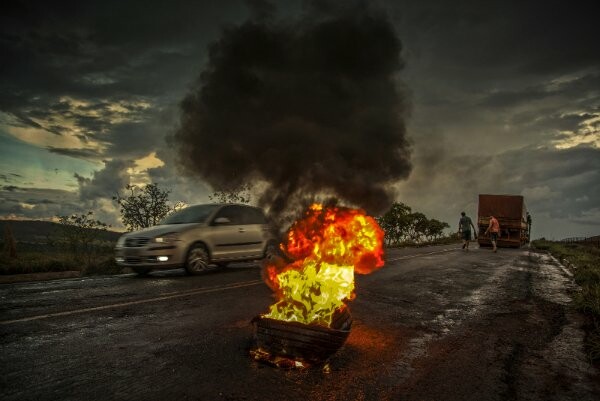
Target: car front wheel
[[141, 272], [272, 253], [197, 260]]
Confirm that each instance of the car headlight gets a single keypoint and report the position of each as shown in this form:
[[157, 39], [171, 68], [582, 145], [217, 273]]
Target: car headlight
[[121, 241], [167, 238]]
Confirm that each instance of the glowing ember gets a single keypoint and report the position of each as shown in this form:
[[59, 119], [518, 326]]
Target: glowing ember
[[328, 245]]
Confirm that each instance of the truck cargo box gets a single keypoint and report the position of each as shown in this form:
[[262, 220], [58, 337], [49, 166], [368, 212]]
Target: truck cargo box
[[511, 212]]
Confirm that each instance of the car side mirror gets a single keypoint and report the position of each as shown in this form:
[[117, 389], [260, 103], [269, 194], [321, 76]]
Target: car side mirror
[[222, 220]]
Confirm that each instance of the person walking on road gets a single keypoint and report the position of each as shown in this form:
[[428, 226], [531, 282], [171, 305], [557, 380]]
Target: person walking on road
[[464, 229], [494, 230]]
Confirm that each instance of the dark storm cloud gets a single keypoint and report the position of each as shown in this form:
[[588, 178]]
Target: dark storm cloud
[[309, 106], [487, 79], [560, 183], [78, 153], [570, 122], [98, 48], [585, 86], [10, 177], [103, 53], [514, 98], [37, 202], [575, 168], [104, 183], [136, 140], [553, 120], [530, 38]]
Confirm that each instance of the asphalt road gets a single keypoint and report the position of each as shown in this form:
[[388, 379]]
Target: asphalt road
[[434, 324]]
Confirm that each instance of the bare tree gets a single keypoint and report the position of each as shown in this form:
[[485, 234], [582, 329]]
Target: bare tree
[[80, 235], [145, 207]]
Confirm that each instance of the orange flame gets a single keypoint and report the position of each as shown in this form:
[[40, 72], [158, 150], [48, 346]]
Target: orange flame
[[328, 245]]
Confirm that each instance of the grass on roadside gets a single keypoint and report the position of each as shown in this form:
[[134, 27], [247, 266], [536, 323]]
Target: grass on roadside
[[586, 262], [43, 262]]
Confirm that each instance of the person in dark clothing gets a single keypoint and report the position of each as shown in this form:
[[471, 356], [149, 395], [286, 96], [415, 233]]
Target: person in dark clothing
[[528, 227], [464, 229]]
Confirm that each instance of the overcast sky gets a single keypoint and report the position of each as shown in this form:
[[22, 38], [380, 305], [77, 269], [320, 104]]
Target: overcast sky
[[494, 97]]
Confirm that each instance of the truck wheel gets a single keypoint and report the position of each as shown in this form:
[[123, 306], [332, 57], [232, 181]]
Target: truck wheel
[[197, 260]]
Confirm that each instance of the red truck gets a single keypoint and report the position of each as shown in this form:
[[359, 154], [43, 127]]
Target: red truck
[[511, 212]]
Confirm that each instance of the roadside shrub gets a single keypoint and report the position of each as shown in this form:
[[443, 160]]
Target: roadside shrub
[[587, 275], [36, 262], [593, 343], [588, 300], [106, 265], [541, 245]]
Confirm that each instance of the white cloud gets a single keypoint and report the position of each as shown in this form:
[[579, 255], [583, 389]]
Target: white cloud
[[139, 172]]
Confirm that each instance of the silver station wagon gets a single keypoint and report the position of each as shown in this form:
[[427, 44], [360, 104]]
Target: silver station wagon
[[198, 236]]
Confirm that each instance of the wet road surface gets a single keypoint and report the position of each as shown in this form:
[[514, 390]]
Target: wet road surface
[[434, 324]]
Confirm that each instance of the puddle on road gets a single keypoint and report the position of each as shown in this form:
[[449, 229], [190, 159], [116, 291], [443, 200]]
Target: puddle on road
[[443, 323], [554, 280], [417, 348], [566, 355], [549, 282]]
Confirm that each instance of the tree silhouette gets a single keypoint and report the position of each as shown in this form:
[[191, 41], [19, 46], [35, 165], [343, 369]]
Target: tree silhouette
[[401, 224], [145, 207], [80, 235], [240, 194]]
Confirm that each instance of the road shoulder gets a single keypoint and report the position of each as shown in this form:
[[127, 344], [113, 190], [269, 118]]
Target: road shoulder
[[26, 277]]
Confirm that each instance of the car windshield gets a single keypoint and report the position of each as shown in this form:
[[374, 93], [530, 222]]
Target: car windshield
[[192, 214]]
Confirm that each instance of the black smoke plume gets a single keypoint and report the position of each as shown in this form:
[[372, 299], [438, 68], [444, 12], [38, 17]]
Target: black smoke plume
[[309, 106]]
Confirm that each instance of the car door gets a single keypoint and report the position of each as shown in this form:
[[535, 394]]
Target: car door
[[228, 238], [255, 225]]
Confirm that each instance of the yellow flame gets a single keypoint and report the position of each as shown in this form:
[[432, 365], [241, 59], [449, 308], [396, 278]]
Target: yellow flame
[[313, 294], [316, 285]]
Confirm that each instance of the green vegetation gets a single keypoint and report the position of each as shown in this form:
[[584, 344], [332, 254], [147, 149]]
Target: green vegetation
[[80, 242], [403, 227], [43, 262], [585, 260], [53, 260], [77, 243]]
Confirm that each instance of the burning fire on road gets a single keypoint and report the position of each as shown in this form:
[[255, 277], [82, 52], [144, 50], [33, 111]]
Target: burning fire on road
[[310, 320]]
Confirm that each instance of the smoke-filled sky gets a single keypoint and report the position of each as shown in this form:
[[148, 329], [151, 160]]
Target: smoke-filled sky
[[425, 103]]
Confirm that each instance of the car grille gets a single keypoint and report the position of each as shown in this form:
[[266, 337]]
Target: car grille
[[136, 242], [132, 260]]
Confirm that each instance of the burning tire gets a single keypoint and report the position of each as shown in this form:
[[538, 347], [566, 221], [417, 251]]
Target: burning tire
[[197, 260], [312, 282], [278, 340]]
